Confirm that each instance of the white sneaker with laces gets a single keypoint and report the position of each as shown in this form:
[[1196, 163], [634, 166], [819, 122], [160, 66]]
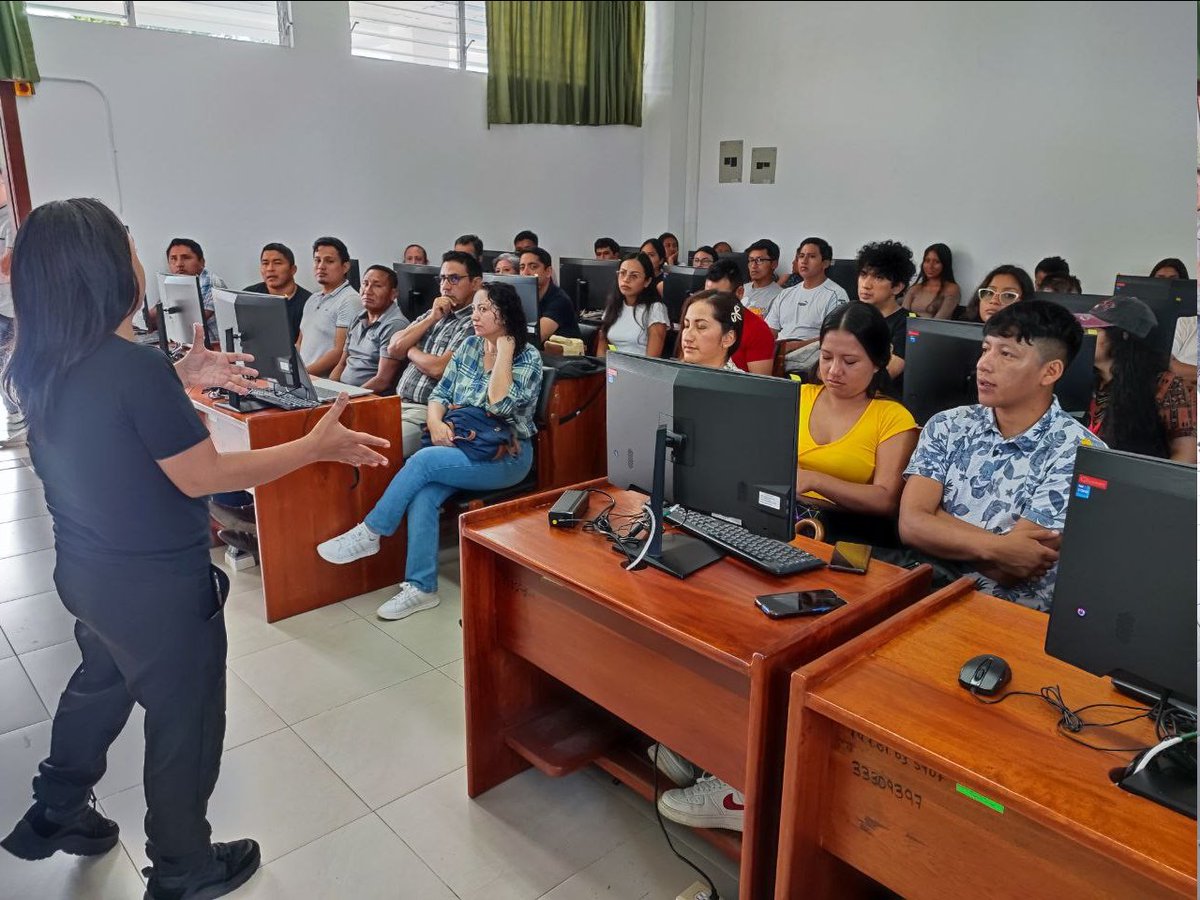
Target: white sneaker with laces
[[709, 803], [357, 543], [411, 599], [671, 764]]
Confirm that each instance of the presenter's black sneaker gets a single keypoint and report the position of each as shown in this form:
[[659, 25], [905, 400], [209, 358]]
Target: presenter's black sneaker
[[87, 833], [231, 866]]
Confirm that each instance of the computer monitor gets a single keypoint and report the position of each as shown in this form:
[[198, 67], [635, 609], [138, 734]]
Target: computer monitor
[[679, 283], [1125, 594], [939, 369], [588, 282], [416, 288], [182, 305], [625, 251], [263, 330], [1073, 303], [716, 470], [527, 289], [1169, 299], [844, 272], [225, 311], [353, 277]]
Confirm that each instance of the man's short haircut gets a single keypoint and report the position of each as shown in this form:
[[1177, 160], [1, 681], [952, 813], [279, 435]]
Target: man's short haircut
[[336, 243], [185, 242], [542, 254], [767, 246], [471, 263], [887, 259], [1050, 328], [282, 249], [725, 269], [473, 240], [419, 247], [1053, 265], [525, 235], [1061, 284], [823, 246], [393, 282], [608, 242]]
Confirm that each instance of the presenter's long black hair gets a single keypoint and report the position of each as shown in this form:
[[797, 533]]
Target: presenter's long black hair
[[74, 281]]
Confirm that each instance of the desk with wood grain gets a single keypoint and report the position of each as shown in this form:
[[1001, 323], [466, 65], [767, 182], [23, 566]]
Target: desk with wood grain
[[896, 772], [570, 660], [298, 511]]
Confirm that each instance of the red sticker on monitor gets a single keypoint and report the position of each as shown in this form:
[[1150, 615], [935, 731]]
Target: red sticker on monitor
[[1098, 483]]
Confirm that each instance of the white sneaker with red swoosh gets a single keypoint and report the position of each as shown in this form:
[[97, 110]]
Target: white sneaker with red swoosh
[[709, 803]]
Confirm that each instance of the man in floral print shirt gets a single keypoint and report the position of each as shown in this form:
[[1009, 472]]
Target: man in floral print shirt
[[988, 484]]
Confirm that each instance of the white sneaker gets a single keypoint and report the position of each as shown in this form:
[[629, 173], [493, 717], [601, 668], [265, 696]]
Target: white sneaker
[[411, 599], [17, 433], [709, 803], [357, 543], [671, 764]]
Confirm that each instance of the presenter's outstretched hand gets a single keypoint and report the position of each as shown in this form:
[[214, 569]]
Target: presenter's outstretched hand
[[204, 368], [334, 442]]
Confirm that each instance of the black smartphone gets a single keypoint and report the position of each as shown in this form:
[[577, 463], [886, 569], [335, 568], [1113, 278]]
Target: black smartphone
[[849, 557], [799, 603]]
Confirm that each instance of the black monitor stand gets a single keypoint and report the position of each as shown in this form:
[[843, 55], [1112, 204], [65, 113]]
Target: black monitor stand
[[163, 344], [677, 554], [1170, 778]]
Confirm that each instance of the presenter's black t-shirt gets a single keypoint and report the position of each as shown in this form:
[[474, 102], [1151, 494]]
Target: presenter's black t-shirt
[[116, 413]]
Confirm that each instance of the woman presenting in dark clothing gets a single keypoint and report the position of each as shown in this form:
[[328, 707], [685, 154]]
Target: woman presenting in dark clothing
[[125, 460]]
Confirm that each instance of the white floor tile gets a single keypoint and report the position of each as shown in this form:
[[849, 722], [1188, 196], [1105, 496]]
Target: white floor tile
[[22, 479], [14, 463], [393, 741], [19, 701], [518, 840], [15, 453], [434, 634], [20, 752], [311, 674], [37, 621], [642, 868], [362, 860], [247, 716], [26, 535], [61, 877], [248, 629], [455, 670], [274, 789], [6, 649], [22, 505], [29, 573], [50, 668]]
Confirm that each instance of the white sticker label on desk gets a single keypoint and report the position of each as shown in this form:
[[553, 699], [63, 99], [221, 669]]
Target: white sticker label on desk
[[770, 501]]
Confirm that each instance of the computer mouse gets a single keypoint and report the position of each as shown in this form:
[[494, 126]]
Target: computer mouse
[[985, 674]]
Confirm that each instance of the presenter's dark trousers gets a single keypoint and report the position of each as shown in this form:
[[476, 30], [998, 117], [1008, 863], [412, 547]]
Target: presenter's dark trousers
[[154, 636]]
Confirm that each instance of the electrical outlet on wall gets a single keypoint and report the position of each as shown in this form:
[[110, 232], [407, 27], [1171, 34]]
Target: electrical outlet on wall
[[730, 164], [762, 165]]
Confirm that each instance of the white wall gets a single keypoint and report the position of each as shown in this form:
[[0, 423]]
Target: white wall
[[238, 144], [1011, 131]]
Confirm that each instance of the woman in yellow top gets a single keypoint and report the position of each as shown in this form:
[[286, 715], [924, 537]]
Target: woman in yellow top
[[854, 442]]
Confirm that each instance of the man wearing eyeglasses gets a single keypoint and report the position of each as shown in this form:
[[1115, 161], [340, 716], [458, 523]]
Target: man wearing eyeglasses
[[328, 313], [430, 341], [760, 292]]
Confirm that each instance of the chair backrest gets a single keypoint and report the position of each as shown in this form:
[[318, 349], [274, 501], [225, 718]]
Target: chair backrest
[[549, 376]]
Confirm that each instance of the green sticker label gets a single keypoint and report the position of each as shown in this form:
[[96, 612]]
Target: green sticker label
[[979, 798]]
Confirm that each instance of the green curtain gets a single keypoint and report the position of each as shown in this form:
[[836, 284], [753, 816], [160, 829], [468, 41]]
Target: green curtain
[[565, 63], [16, 45]]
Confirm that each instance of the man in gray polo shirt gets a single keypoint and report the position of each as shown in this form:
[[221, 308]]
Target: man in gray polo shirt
[[365, 361], [430, 341], [330, 310]]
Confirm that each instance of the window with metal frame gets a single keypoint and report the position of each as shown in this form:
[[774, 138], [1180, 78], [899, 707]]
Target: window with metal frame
[[261, 21], [452, 35]]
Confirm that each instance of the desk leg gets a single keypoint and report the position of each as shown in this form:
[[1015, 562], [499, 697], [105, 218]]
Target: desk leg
[[501, 688]]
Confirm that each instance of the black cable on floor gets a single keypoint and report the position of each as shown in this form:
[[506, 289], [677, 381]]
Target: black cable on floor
[[712, 888]]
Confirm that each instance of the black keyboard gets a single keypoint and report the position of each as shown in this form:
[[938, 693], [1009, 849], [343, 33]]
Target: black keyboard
[[281, 400], [766, 553]]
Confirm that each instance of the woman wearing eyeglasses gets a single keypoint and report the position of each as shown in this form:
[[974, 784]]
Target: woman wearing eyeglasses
[[491, 386], [635, 320], [1002, 286]]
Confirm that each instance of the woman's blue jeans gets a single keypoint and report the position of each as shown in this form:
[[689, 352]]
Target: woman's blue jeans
[[420, 488]]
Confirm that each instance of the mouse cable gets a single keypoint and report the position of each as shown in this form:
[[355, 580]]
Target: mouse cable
[[712, 888], [1070, 723]]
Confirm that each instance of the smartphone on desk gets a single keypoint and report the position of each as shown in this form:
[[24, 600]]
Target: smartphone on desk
[[799, 603], [849, 557]]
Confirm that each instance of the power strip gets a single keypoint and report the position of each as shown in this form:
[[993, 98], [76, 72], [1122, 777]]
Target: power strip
[[697, 891]]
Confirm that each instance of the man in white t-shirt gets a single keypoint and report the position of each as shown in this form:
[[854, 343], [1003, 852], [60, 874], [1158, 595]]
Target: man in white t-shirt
[[759, 293], [797, 313], [1183, 351], [330, 311]]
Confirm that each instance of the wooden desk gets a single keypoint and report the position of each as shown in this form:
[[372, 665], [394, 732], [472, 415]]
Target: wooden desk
[[572, 451], [312, 504], [882, 743], [566, 653]]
